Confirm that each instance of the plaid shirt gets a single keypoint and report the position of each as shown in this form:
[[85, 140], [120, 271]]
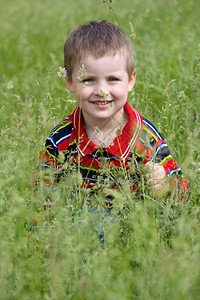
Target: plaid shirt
[[119, 163]]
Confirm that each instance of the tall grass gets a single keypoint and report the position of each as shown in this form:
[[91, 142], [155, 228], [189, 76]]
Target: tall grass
[[150, 251]]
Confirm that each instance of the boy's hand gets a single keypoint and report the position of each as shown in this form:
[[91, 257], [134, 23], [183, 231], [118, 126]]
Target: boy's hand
[[156, 178]]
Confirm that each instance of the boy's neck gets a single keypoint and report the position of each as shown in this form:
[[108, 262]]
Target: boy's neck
[[103, 134]]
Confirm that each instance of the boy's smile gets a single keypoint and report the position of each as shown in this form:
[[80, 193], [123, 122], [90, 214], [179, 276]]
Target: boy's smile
[[102, 92]]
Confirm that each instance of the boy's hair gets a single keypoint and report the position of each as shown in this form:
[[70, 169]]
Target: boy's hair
[[96, 38]]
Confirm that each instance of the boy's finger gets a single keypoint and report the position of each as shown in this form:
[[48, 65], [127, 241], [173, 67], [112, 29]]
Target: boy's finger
[[156, 181], [149, 165]]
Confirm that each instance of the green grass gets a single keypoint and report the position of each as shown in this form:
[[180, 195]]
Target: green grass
[[158, 255]]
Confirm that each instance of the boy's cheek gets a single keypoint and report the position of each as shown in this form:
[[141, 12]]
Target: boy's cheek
[[83, 94]]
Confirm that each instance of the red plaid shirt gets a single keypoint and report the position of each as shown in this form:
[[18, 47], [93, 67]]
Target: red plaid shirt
[[138, 143]]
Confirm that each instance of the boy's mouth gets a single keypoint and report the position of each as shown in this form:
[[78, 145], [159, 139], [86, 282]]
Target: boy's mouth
[[102, 102]]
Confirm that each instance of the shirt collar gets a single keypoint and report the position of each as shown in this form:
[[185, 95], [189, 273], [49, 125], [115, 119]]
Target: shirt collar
[[121, 146]]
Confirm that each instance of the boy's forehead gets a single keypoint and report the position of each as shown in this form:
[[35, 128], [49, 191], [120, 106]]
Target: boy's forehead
[[82, 58], [92, 60], [108, 64]]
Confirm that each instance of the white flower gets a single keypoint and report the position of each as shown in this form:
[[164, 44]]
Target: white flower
[[62, 72]]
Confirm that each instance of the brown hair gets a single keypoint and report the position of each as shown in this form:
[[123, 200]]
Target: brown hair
[[96, 38]]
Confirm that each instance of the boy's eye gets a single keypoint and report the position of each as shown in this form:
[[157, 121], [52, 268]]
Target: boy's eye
[[113, 79], [87, 80]]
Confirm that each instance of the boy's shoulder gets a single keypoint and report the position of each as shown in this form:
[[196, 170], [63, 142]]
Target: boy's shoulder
[[150, 129], [63, 132], [146, 126], [150, 136], [63, 127]]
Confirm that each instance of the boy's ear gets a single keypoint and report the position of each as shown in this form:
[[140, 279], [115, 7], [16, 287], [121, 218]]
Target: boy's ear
[[69, 84], [132, 81]]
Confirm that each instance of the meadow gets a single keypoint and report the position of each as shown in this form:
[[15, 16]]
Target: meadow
[[152, 250]]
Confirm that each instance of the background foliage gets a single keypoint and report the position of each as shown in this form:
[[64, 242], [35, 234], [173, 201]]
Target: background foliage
[[157, 257]]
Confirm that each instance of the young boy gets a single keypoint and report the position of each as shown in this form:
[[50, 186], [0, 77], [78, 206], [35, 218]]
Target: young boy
[[105, 136]]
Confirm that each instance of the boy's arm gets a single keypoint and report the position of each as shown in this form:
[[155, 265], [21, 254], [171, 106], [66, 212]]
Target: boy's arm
[[159, 182], [155, 176], [49, 170], [162, 173], [49, 157]]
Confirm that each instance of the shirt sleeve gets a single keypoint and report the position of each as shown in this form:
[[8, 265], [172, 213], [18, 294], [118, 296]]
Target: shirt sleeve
[[157, 151], [49, 156], [50, 162], [56, 152]]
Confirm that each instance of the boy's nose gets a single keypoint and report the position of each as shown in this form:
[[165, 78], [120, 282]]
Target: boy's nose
[[101, 90]]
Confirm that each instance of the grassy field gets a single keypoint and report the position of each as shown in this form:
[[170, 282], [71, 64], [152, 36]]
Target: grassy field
[[158, 255]]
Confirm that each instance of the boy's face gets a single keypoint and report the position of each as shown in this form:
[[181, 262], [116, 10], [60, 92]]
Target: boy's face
[[102, 92]]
